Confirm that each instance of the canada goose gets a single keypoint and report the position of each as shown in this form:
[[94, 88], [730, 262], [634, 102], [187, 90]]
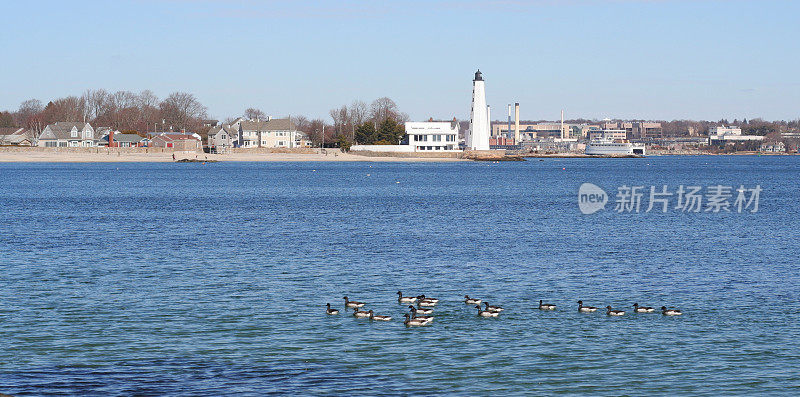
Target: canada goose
[[413, 322], [331, 311], [349, 303], [486, 313], [405, 299], [670, 312], [493, 308], [612, 312], [414, 315], [425, 302], [471, 301], [421, 310], [642, 309], [372, 316], [546, 306], [585, 309], [360, 313]]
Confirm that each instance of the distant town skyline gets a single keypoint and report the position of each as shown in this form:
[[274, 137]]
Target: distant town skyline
[[624, 59]]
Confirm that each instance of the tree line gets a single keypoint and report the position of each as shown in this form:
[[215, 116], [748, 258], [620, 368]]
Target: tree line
[[380, 122], [122, 110]]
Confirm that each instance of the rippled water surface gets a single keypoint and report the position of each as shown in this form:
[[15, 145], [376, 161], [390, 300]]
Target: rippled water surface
[[212, 279]]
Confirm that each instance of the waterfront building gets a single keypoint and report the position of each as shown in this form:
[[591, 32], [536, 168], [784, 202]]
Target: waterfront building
[[478, 134], [777, 147], [270, 133], [222, 138], [177, 142], [723, 134], [68, 134], [614, 135], [15, 136], [636, 129], [432, 135], [117, 139], [531, 131], [724, 130]]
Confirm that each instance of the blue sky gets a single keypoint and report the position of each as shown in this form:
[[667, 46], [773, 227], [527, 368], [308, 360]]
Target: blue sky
[[656, 59]]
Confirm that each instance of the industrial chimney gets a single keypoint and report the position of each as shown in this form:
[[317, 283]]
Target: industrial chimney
[[516, 123]]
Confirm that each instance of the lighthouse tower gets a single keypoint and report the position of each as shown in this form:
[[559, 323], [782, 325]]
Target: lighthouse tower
[[478, 137]]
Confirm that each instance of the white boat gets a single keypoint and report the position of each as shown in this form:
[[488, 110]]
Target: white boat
[[606, 146]]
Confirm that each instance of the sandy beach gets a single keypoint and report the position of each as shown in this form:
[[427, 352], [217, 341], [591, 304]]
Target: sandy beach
[[80, 157]]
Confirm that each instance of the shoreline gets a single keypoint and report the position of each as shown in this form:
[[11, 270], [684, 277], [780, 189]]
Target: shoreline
[[128, 156], [166, 157]]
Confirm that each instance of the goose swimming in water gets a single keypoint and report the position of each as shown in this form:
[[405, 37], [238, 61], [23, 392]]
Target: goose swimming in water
[[546, 306], [427, 302], [612, 312], [349, 303], [360, 313], [493, 308], [471, 301], [331, 311], [405, 299], [421, 310], [585, 309], [486, 313], [425, 298], [413, 322], [642, 309], [670, 312], [414, 312], [372, 316]]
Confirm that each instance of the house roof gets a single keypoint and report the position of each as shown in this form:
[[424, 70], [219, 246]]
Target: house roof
[[226, 128], [132, 138], [15, 135], [175, 137], [11, 130], [271, 125]]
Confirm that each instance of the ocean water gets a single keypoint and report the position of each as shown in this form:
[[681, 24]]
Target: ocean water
[[191, 279]]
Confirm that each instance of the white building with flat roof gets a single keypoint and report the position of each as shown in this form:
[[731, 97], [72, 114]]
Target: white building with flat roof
[[723, 130], [432, 135], [729, 134]]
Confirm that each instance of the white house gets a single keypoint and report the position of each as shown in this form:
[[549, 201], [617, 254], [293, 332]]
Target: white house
[[422, 136], [432, 135], [68, 134]]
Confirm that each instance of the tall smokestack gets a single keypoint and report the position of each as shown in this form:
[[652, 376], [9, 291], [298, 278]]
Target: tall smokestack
[[509, 120], [563, 135], [516, 123]]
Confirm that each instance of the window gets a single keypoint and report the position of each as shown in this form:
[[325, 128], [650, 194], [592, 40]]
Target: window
[[74, 133]]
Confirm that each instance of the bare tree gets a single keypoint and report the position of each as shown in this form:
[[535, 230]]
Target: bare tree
[[182, 110], [382, 109], [301, 123], [97, 103], [29, 115], [340, 119], [70, 108], [358, 112], [254, 114]]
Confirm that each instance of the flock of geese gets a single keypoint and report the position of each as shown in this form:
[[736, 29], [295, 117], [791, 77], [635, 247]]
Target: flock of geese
[[422, 313]]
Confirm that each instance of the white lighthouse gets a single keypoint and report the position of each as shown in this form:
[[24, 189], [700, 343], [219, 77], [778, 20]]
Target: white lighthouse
[[478, 137]]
